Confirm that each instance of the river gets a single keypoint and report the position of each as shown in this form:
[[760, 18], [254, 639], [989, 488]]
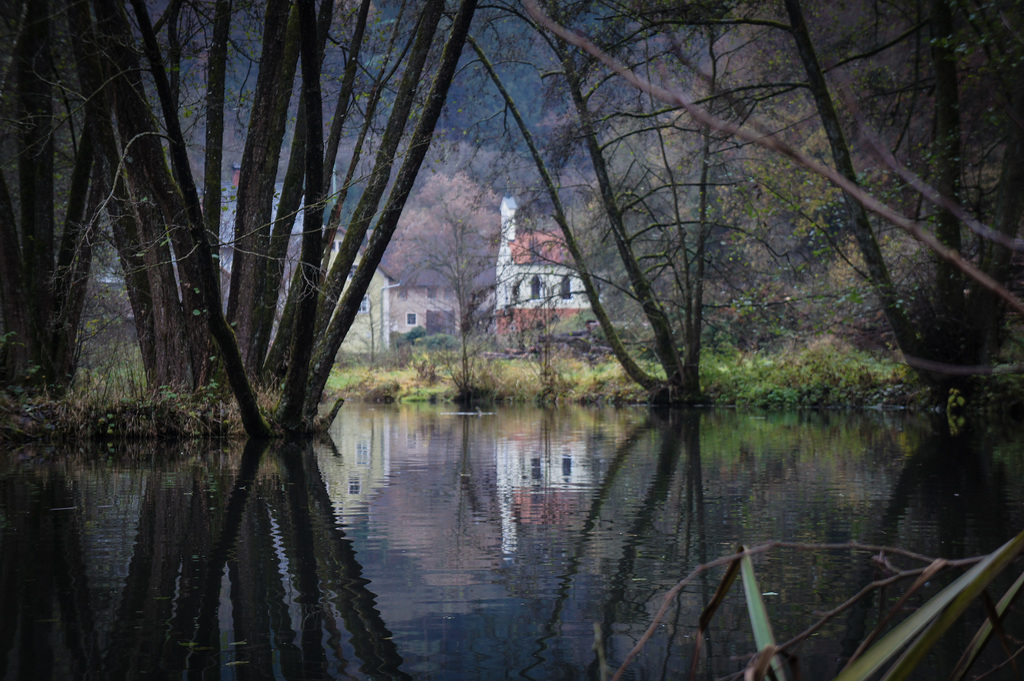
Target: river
[[421, 543]]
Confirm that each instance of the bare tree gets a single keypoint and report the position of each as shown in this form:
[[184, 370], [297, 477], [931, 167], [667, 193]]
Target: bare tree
[[452, 234]]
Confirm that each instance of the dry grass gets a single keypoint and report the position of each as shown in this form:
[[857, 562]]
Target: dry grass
[[164, 414], [558, 380]]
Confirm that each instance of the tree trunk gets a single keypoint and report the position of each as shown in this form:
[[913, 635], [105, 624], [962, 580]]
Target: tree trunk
[[878, 272], [208, 284], [112, 181], [275, 366], [987, 312], [950, 281], [289, 411], [42, 283], [14, 345], [693, 293], [15, 354], [216, 70], [74, 259], [181, 340], [290, 202], [380, 175], [249, 310], [35, 187], [328, 343], [661, 326]]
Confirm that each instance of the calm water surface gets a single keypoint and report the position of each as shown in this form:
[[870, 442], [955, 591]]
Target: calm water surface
[[416, 543]]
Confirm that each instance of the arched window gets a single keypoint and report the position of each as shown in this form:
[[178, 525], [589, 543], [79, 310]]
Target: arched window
[[566, 288], [536, 288]]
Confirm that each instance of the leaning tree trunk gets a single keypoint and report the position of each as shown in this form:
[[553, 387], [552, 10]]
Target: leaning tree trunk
[[878, 272], [366, 208], [654, 312], [291, 198], [380, 175], [289, 412], [328, 344], [275, 365]]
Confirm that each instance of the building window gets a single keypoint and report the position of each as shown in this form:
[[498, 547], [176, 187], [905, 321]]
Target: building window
[[431, 292], [402, 293], [515, 293], [364, 305], [566, 288], [355, 484], [536, 288], [410, 319]]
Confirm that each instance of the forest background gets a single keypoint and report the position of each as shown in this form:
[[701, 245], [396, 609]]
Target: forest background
[[740, 176]]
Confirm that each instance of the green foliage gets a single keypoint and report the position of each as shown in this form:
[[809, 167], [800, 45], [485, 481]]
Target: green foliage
[[438, 341], [419, 338], [998, 397], [565, 380], [410, 337], [825, 373]]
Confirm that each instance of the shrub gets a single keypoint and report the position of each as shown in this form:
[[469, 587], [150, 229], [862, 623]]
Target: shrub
[[825, 373], [410, 337], [437, 341]]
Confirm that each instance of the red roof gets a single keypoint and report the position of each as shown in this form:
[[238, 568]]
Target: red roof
[[537, 247]]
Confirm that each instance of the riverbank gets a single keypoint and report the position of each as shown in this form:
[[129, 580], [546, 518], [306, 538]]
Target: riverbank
[[824, 375], [820, 375]]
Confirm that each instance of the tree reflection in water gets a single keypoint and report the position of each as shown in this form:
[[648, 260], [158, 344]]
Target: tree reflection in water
[[259, 580], [486, 546]]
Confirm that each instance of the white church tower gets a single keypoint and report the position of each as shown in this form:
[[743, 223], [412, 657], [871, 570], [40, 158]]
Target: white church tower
[[504, 278], [533, 283]]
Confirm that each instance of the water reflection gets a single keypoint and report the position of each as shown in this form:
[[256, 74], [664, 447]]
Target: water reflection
[[418, 544]]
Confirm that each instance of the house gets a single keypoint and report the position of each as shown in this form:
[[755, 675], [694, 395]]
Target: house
[[371, 330], [535, 284], [424, 300], [392, 306]]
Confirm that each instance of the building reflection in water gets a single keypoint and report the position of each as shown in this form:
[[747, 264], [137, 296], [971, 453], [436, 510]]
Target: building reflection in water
[[537, 481], [359, 463]]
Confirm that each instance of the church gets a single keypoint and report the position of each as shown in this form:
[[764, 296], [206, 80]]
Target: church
[[535, 283]]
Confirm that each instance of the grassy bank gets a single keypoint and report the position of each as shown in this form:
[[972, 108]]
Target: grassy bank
[[823, 374], [110, 415]]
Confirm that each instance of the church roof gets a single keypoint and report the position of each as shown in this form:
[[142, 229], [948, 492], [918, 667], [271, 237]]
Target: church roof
[[537, 247]]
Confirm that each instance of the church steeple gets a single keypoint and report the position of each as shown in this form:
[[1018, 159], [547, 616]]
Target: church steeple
[[508, 219]]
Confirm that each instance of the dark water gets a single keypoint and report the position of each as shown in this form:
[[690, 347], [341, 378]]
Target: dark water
[[418, 544]]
